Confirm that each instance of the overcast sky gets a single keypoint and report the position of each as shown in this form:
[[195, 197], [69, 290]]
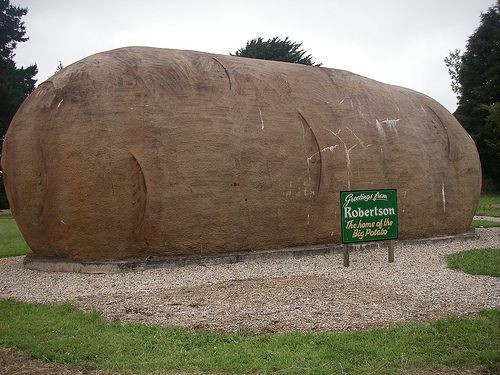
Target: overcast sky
[[398, 42]]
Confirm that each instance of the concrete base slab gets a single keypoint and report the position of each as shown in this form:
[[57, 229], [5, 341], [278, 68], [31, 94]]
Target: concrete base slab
[[139, 264]]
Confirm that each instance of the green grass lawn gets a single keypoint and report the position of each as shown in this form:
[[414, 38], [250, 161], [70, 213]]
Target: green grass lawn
[[486, 202], [477, 262], [11, 242], [62, 334], [484, 224]]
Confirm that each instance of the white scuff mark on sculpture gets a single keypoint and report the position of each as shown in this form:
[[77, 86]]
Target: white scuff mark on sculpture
[[63, 222], [348, 162], [390, 123], [347, 151], [422, 108], [352, 106], [60, 103], [342, 101], [328, 148], [331, 234], [359, 140], [308, 221], [307, 188], [380, 129], [308, 160], [261, 120], [289, 193], [443, 196], [307, 182], [311, 191]]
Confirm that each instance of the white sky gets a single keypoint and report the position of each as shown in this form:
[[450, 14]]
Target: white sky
[[398, 42]]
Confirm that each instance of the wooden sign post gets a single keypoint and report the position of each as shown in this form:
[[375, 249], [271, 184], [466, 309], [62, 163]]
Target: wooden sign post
[[391, 251], [346, 255], [369, 215]]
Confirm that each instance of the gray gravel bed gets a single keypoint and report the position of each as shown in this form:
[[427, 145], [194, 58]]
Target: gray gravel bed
[[276, 295]]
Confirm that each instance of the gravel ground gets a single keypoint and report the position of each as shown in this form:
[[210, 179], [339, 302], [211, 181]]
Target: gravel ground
[[314, 292]]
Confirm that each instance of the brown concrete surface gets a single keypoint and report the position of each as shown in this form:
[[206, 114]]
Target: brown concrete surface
[[143, 151]]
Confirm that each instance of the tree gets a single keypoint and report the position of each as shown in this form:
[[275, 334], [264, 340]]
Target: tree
[[475, 78], [276, 49], [453, 62], [15, 83]]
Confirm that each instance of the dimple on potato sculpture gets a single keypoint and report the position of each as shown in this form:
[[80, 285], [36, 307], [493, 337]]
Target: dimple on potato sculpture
[[140, 152]]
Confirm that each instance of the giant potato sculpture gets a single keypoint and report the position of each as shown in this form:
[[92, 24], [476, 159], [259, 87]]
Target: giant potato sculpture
[[143, 151]]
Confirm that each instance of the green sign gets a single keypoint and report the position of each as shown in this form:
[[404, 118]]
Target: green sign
[[369, 215]]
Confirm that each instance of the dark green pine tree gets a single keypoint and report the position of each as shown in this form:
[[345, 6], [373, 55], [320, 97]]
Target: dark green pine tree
[[476, 80], [15, 83], [276, 49]]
